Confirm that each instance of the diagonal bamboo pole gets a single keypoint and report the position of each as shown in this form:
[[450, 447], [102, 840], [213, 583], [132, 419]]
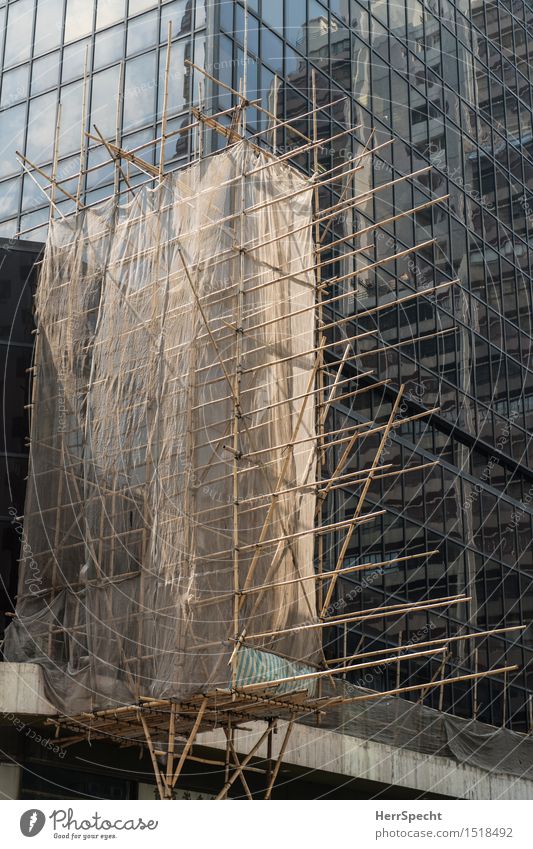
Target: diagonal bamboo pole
[[279, 761], [361, 500], [190, 741]]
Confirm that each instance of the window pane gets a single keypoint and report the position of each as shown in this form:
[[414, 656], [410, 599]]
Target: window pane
[[45, 72], [10, 197], [272, 50], [142, 33], [104, 100], [179, 13], [79, 20], [19, 32], [74, 61], [48, 25], [109, 12], [11, 138], [179, 78], [201, 15], [141, 5], [295, 20], [41, 128], [71, 111], [273, 14], [109, 46], [139, 96], [15, 86]]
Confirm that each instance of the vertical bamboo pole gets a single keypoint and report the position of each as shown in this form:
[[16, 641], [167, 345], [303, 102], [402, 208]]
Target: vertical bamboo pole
[[504, 699], [158, 777], [398, 665], [55, 160], [441, 688], [320, 374], [118, 128], [170, 753], [474, 689], [83, 141], [165, 105], [275, 111]]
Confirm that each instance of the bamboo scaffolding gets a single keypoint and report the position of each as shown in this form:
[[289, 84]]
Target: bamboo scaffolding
[[238, 450]]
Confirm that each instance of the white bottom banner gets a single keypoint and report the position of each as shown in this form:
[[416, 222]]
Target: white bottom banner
[[288, 823]]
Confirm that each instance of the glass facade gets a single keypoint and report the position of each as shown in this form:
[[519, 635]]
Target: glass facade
[[44, 45], [451, 83]]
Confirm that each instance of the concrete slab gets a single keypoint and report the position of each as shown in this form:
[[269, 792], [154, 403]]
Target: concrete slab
[[22, 690]]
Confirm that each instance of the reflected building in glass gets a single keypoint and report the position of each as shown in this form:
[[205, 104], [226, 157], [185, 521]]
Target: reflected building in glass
[[451, 84]]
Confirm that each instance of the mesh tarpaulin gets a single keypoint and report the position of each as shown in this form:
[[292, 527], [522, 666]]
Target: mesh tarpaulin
[[168, 348]]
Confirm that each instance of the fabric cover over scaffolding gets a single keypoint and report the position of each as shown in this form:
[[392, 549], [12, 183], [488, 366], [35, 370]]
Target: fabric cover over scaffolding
[[148, 373]]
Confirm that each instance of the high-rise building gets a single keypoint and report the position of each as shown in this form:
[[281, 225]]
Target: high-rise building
[[451, 82]]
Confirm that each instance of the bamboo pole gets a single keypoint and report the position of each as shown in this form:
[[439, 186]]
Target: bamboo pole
[[170, 753], [238, 764], [158, 777], [83, 151], [439, 641], [190, 741], [308, 676], [414, 687], [279, 761], [383, 614]]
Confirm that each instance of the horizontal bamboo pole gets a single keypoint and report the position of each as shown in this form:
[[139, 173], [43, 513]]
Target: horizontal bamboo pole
[[413, 688], [355, 618], [308, 676], [441, 641], [410, 604]]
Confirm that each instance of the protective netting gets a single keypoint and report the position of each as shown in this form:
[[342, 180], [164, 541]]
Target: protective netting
[[172, 397]]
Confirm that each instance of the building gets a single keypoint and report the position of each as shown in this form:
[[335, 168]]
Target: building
[[451, 83]]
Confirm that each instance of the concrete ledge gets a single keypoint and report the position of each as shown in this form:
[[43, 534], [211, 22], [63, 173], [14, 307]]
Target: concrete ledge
[[22, 690], [314, 749]]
